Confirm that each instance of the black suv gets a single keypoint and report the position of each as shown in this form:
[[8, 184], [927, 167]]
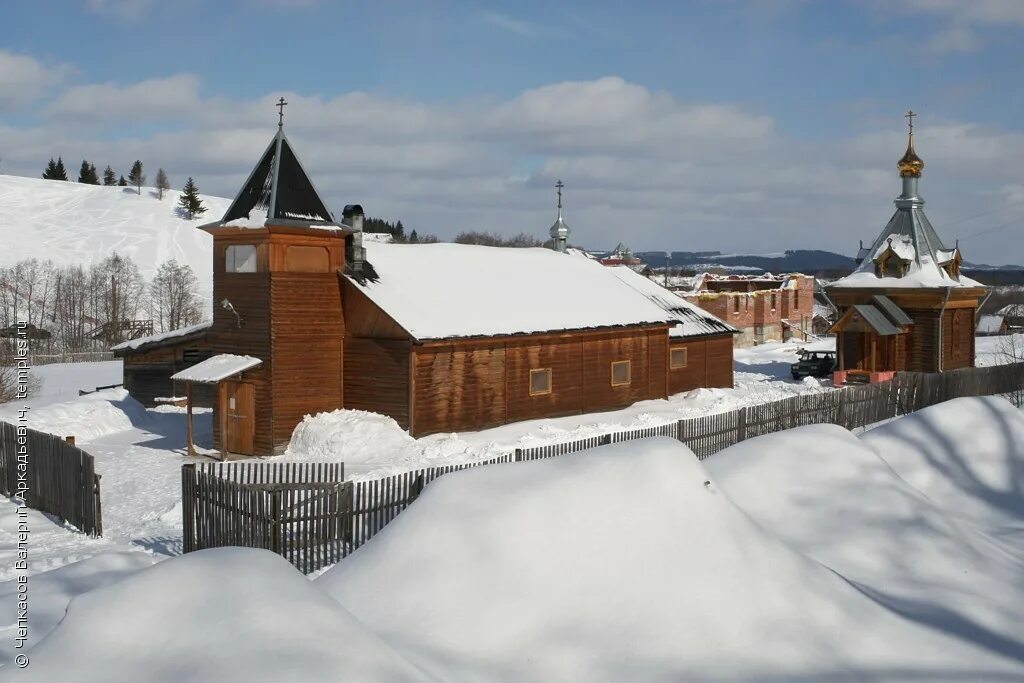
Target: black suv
[[814, 364]]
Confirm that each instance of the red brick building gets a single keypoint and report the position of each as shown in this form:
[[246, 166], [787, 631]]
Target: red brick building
[[762, 307]]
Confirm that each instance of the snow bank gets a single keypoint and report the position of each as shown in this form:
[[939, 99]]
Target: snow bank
[[351, 436], [621, 563], [829, 495], [86, 417], [50, 593], [966, 455], [230, 614]]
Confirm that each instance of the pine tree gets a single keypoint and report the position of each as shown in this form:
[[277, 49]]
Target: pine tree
[[413, 237], [190, 203], [122, 182], [161, 183], [136, 177], [55, 170], [109, 177], [399, 233], [87, 174]]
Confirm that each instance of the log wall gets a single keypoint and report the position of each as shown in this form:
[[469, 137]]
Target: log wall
[[377, 376]]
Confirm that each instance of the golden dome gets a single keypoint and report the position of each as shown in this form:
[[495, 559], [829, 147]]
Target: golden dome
[[911, 164]]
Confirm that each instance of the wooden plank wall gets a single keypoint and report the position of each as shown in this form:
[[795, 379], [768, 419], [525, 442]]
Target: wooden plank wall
[[477, 384], [147, 374], [958, 338], [458, 387], [307, 339], [377, 376], [249, 293], [720, 361], [564, 357]]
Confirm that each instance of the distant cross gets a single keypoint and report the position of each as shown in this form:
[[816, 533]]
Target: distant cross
[[910, 118], [281, 104], [559, 185]]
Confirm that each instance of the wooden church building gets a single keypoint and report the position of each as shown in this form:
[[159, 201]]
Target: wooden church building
[[441, 337], [906, 306]]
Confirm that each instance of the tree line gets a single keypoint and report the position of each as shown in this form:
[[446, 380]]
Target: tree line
[[77, 308], [189, 204]]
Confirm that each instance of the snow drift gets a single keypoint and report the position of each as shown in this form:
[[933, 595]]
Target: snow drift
[[230, 614], [86, 418], [966, 455], [829, 495], [50, 592], [621, 563]]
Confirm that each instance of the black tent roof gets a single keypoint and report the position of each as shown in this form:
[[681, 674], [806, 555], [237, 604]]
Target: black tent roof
[[280, 186]]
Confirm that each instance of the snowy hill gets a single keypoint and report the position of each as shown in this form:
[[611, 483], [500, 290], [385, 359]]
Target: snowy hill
[[71, 223]]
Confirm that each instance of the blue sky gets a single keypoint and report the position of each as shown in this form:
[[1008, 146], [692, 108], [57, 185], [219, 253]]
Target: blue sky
[[704, 125]]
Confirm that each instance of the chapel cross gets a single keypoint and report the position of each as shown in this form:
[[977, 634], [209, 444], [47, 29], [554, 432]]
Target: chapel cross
[[910, 117], [559, 185], [281, 104]]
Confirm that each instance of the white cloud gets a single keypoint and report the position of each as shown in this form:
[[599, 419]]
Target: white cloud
[[641, 166], [965, 21], [23, 79], [163, 99]]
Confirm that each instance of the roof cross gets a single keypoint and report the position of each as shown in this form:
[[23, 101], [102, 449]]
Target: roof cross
[[910, 118], [559, 185], [281, 104]]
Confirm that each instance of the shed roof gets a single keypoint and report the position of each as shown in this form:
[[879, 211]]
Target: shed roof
[[442, 291], [217, 368], [877, 320], [891, 310], [164, 338], [691, 320]]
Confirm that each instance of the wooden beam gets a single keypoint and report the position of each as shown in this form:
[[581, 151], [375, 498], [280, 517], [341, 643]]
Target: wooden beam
[[188, 411]]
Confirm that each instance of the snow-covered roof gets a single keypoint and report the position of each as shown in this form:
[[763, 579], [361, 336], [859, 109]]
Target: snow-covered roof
[[170, 336], [440, 291], [990, 324], [217, 368], [909, 235], [692, 321], [1012, 311]]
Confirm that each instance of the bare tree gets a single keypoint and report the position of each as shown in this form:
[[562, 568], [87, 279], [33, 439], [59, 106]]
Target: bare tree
[[161, 183], [174, 296]]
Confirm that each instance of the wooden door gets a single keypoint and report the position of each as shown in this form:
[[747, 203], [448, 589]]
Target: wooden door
[[238, 409], [853, 351]]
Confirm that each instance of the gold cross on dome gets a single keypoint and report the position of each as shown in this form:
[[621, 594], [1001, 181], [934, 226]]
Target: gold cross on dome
[[910, 118]]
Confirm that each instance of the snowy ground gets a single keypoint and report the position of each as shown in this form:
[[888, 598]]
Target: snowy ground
[[62, 381], [825, 494], [809, 555]]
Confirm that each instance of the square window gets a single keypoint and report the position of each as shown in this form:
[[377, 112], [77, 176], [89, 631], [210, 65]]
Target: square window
[[677, 358], [621, 373], [540, 382], [240, 258]]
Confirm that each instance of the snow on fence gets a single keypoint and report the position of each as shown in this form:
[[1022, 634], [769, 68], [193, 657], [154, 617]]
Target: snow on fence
[[311, 516], [61, 478]]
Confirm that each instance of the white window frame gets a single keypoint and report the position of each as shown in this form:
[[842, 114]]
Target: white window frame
[[240, 258], [629, 373]]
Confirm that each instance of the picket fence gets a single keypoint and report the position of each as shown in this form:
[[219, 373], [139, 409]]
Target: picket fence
[[310, 515], [61, 478]]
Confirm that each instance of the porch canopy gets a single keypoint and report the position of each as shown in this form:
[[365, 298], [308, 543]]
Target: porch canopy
[[211, 371], [217, 368]]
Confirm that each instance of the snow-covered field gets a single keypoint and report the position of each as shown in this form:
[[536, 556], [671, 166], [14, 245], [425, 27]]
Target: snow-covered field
[[811, 554], [72, 223]]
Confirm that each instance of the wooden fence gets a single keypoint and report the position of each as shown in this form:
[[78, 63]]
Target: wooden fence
[[315, 519], [61, 478]]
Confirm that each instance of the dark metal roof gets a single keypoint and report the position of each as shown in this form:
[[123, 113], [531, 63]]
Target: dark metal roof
[[891, 310], [877, 320], [280, 186]]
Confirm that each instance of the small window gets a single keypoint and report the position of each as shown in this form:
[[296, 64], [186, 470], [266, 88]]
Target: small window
[[773, 301], [540, 382], [621, 373], [677, 358], [240, 258], [736, 305]]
